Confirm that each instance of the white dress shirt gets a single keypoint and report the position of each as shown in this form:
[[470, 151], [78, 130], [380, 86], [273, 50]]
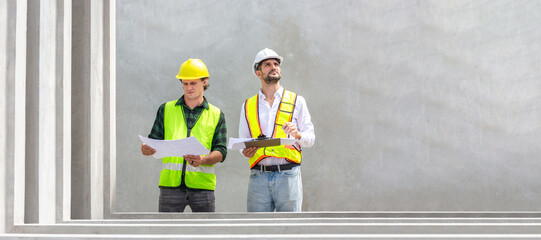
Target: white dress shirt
[[267, 116]]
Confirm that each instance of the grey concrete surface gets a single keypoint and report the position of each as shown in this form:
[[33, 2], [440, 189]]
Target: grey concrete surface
[[417, 105]]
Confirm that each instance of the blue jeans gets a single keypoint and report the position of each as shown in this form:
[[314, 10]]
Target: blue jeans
[[280, 191], [176, 200]]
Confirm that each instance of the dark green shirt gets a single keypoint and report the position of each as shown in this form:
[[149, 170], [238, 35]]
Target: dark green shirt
[[219, 140]]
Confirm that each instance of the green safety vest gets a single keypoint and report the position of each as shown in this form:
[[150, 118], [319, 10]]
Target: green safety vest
[[284, 114], [201, 177]]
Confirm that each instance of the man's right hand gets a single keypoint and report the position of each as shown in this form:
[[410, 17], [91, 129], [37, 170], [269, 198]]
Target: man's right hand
[[249, 152], [147, 150]]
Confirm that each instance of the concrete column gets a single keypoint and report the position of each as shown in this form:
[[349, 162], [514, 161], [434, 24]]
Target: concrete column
[[12, 69], [3, 77], [80, 100], [63, 111], [90, 84], [66, 105], [31, 107], [20, 113], [47, 112], [12, 113], [109, 58], [96, 109]]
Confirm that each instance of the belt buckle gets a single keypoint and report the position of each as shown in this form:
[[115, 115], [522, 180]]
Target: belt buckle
[[265, 168]]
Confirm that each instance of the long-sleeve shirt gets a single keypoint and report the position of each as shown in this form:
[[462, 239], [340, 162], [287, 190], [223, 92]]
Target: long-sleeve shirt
[[267, 116], [219, 140]]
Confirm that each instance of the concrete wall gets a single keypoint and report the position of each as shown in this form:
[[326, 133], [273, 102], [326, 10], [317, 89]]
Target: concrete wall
[[417, 105]]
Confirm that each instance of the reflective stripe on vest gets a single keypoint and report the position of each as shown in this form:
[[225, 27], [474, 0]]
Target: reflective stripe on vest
[[201, 177], [178, 167], [284, 114]]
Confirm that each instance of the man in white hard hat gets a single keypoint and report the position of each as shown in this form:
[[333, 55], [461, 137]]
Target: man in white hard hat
[[275, 181], [190, 180]]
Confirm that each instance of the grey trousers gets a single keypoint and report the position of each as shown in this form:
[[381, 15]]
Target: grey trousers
[[176, 200]]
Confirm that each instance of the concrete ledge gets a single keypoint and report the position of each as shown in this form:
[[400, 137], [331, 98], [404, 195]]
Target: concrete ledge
[[330, 214], [276, 236], [306, 225], [277, 229], [280, 224]]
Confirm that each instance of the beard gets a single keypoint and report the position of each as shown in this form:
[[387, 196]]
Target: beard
[[271, 79]]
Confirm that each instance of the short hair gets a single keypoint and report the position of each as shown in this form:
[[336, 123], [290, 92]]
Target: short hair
[[206, 86], [259, 63], [202, 79]]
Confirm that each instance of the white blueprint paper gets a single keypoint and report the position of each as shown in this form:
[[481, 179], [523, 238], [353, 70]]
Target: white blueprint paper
[[238, 143], [175, 148]]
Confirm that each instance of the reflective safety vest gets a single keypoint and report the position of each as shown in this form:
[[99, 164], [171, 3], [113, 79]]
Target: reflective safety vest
[[284, 114], [201, 177]]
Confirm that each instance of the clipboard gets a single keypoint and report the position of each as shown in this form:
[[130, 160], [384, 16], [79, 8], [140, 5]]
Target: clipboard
[[241, 143], [267, 142]]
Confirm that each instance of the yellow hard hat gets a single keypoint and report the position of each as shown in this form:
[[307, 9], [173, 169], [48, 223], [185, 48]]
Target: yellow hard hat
[[192, 69]]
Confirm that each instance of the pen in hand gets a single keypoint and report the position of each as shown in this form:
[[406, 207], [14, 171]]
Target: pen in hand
[[291, 129]]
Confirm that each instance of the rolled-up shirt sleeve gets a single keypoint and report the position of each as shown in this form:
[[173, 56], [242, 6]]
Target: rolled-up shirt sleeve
[[157, 131], [219, 140]]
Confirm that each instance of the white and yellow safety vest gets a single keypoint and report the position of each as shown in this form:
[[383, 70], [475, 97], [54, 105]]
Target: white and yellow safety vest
[[284, 114]]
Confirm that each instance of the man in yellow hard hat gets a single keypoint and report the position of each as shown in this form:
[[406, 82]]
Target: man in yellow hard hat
[[275, 182], [190, 180]]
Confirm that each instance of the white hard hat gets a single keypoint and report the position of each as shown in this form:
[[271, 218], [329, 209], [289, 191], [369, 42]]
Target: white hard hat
[[264, 55]]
